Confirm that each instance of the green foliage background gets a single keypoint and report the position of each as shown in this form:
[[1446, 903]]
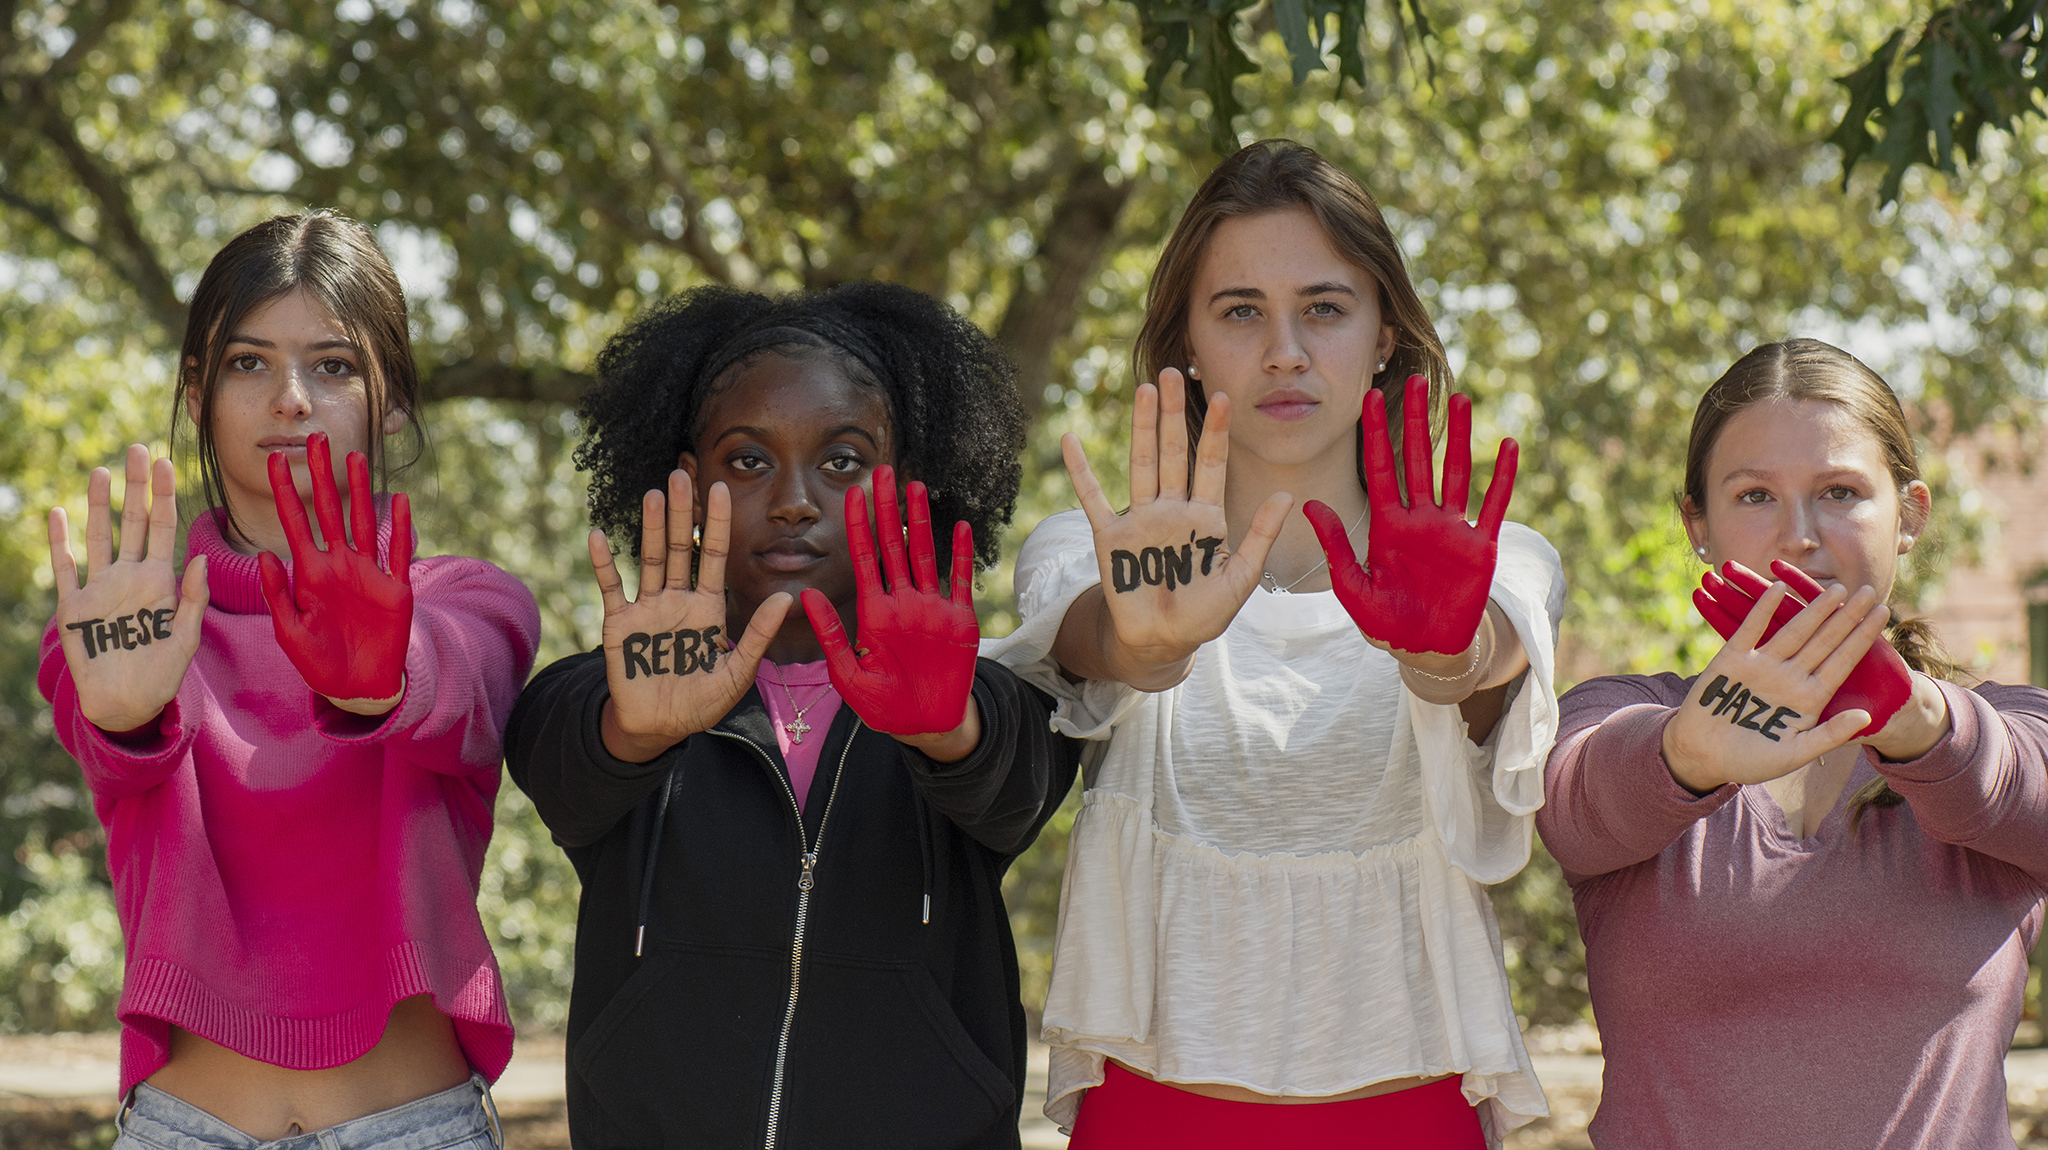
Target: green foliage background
[[1603, 205]]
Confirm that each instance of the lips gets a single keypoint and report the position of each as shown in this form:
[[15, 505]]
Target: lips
[[790, 555], [1288, 404], [282, 442]]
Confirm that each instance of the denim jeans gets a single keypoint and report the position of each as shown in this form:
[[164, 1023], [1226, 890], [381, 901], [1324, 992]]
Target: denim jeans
[[459, 1118]]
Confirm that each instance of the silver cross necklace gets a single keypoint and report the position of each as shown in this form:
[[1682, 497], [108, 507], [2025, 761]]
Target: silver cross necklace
[[796, 727]]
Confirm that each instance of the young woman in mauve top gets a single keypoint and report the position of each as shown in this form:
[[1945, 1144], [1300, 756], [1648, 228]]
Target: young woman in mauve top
[[1274, 929], [294, 750], [1808, 877]]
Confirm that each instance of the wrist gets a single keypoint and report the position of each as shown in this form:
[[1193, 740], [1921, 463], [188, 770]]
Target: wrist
[[1918, 726], [1438, 678], [126, 724], [1685, 771], [631, 746], [370, 707], [1148, 669], [950, 746]]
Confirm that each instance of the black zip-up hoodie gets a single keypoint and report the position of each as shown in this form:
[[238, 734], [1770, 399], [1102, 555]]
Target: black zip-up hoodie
[[746, 978]]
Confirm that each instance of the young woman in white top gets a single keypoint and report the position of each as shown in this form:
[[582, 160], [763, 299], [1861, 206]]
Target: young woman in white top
[[1274, 892]]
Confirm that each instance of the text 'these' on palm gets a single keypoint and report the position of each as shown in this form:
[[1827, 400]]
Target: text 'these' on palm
[[126, 685]]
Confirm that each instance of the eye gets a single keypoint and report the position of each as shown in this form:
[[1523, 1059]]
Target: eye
[[1754, 495], [334, 365], [1840, 493], [843, 465], [246, 361], [1241, 311], [747, 462], [1324, 309]]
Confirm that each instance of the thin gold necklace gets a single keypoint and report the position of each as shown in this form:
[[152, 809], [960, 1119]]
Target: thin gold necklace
[[1271, 584]]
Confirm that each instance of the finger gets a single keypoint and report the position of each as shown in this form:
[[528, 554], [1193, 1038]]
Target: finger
[[1212, 454], [326, 497], [1415, 447], [610, 588], [1834, 670], [716, 546], [1733, 598], [1786, 640], [1145, 442], [681, 507], [1499, 489], [1743, 579], [963, 565], [362, 507], [1458, 456], [276, 587], [1843, 615], [747, 653], [1751, 633], [291, 511], [163, 510], [194, 594], [1816, 741], [135, 503], [1243, 569], [1802, 584], [860, 546], [825, 623], [924, 557], [401, 538], [1173, 435], [889, 529], [653, 544], [1717, 616], [1087, 488], [63, 567], [1381, 492], [99, 522], [1331, 533]]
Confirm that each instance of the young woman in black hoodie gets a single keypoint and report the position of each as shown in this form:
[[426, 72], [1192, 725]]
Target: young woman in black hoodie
[[792, 930]]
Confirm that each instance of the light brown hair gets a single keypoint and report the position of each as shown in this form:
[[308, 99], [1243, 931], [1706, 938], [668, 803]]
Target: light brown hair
[[335, 260], [1801, 369], [1276, 175]]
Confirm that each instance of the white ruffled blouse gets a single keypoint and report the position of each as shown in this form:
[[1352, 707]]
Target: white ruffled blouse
[[1275, 879]]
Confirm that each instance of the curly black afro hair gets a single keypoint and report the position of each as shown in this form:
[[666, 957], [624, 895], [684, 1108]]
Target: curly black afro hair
[[959, 425]]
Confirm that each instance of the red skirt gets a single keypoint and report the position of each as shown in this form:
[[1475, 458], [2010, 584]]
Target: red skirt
[[1131, 1112]]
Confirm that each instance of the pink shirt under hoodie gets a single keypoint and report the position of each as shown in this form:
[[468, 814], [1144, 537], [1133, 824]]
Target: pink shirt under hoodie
[[1853, 988], [285, 871]]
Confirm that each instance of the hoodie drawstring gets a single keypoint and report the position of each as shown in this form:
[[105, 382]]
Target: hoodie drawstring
[[653, 852]]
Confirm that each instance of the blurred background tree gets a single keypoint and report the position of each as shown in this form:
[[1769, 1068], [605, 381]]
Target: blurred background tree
[[1604, 205]]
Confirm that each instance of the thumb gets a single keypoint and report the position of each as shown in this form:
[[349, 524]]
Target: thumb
[[193, 596], [1811, 744], [1244, 567], [276, 585], [761, 629], [839, 658]]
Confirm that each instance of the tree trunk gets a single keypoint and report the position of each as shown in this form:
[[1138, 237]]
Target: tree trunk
[[1082, 224]]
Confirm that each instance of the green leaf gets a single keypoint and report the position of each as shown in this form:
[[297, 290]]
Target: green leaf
[[1302, 39]]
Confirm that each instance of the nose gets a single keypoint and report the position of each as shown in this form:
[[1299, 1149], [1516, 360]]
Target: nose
[[1284, 351], [292, 400], [1799, 534], [791, 502]]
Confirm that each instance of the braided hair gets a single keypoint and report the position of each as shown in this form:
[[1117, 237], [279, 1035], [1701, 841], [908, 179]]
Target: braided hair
[[958, 423]]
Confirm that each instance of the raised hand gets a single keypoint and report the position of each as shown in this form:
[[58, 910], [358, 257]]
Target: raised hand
[[915, 669], [1170, 580], [1880, 683], [342, 620], [131, 631], [670, 666], [1759, 710], [1427, 572]]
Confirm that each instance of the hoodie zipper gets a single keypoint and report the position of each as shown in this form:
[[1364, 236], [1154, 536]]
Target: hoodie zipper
[[804, 883]]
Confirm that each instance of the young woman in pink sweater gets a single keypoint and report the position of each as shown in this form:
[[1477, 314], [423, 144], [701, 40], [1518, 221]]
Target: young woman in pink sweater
[[1809, 877], [294, 749]]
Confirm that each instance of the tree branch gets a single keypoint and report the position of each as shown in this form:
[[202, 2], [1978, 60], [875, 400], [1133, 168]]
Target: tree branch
[[48, 217], [488, 379], [1083, 221]]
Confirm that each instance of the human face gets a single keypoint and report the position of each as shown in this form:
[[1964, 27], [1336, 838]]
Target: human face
[[1806, 482], [1281, 323], [788, 438], [288, 370]]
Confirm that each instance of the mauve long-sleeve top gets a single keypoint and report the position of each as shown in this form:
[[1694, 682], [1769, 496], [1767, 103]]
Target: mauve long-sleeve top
[[1853, 988]]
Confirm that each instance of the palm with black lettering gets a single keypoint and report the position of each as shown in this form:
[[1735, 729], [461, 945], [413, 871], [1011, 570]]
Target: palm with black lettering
[[130, 633], [666, 653], [1169, 577], [1754, 714]]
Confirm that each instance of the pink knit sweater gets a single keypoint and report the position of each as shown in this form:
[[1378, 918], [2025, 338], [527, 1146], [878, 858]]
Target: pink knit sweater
[[286, 871], [1853, 988]]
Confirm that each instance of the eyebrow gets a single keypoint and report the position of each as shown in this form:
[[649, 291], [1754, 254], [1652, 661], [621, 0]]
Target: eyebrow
[[759, 433], [1330, 287], [323, 345], [1766, 475]]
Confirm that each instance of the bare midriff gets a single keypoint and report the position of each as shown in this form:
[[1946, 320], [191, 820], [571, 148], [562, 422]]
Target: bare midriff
[[417, 1056], [1228, 1093]]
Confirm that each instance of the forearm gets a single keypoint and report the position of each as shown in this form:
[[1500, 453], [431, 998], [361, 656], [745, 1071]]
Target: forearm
[[1005, 787], [1984, 784], [1609, 800], [556, 751]]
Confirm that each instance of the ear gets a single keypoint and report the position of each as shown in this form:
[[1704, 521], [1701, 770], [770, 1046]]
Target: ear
[[1695, 527], [189, 384], [1390, 338], [1916, 507]]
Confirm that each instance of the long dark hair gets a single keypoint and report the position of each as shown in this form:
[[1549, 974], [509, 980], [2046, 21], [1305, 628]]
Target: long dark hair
[[335, 260], [1274, 175], [1799, 369]]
